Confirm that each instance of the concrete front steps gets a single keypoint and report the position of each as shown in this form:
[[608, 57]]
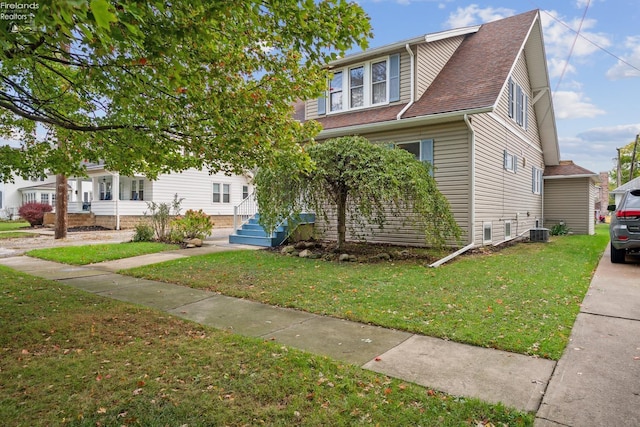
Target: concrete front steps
[[253, 234]]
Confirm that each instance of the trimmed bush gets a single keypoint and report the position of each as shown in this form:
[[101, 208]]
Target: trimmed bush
[[144, 233], [194, 224], [33, 212]]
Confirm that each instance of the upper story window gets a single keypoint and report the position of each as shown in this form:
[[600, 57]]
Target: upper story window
[[518, 104], [363, 85]]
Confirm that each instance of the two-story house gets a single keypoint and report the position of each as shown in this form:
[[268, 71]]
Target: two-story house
[[475, 102]]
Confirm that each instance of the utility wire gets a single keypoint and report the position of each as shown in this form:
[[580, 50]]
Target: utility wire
[[573, 45]]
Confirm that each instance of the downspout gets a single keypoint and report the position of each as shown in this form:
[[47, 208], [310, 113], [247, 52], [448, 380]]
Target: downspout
[[412, 72], [472, 202]]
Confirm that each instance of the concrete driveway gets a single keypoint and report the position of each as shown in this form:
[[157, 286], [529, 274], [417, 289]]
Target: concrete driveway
[[597, 380]]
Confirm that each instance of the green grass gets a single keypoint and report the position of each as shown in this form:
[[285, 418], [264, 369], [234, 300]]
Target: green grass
[[15, 235], [13, 225], [89, 254], [524, 298], [72, 358]]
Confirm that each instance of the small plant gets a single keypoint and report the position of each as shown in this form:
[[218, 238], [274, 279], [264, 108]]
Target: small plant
[[560, 229], [33, 212], [161, 215], [194, 224], [143, 233]]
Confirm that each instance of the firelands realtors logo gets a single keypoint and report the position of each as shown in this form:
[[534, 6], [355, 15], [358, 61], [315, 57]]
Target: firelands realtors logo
[[17, 16]]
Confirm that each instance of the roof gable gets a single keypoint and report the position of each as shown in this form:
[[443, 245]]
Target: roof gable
[[476, 73]]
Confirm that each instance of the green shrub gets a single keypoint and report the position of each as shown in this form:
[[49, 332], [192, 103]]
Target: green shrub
[[194, 224], [560, 229], [144, 233]]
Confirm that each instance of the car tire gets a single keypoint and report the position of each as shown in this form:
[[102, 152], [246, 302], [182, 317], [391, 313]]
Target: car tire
[[617, 255]]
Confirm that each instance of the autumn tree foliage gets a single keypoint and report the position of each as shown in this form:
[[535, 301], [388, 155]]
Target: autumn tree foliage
[[358, 183], [155, 86]]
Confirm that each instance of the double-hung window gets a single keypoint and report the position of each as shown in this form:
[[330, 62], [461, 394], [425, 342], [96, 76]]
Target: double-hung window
[[221, 193], [363, 85], [356, 87], [422, 150], [510, 162], [518, 104], [536, 181]]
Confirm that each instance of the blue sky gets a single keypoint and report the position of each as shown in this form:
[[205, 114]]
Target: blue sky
[[596, 93]]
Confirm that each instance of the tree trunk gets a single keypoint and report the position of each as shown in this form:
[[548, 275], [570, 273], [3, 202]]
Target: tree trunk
[[342, 218], [62, 202]]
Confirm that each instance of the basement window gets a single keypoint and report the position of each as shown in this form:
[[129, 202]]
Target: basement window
[[487, 236]]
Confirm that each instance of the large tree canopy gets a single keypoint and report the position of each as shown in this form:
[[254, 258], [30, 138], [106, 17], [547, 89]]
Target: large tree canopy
[[154, 86], [360, 183]]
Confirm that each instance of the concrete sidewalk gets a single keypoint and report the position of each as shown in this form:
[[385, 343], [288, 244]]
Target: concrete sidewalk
[[495, 376], [597, 381]]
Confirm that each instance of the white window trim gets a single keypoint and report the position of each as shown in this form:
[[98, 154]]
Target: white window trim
[[487, 226], [510, 162], [536, 185], [518, 104], [507, 225], [367, 86]]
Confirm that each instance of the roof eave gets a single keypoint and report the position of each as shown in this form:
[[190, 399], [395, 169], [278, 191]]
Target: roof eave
[[395, 124]]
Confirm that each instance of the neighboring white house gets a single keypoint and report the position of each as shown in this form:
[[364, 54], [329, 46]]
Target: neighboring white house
[[42, 190], [121, 201]]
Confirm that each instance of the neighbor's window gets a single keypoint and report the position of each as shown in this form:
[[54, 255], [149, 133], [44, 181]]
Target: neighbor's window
[[379, 82], [245, 191], [226, 193], [44, 198], [216, 193], [221, 193]]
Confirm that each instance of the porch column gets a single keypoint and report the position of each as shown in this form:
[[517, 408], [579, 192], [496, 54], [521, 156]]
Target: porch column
[[78, 194], [115, 189]]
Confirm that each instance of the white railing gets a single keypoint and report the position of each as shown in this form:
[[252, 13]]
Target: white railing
[[245, 211]]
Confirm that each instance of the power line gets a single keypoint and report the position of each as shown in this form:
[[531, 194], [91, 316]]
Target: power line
[[591, 41], [573, 45]]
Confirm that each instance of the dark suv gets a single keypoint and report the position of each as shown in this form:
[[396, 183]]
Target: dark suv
[[625, 226]]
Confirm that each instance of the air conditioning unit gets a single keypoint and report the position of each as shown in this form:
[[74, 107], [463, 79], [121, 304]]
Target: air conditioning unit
[[539, 234]]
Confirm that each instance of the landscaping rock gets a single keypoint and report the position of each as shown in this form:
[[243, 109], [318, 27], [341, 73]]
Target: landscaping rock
[[287, 250], [347, 258], [193, 243], [305, 253], [301, 245]]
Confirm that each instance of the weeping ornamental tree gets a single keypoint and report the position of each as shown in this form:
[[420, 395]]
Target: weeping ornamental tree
[[359, 183]]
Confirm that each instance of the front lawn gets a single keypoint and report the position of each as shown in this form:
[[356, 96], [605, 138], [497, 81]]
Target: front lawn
[[13, 225], [524, 298], [89, 254], [72, 358]]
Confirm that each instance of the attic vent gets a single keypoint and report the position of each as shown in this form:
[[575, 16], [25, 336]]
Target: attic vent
[[539, 234]]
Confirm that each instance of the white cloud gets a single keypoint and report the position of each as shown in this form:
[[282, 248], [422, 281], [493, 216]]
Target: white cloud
[[623, 70], [560, 36], [595, 149], [473, 14], [557, 67], [574, 105]]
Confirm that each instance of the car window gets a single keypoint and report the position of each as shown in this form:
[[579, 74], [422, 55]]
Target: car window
[[633, 199]]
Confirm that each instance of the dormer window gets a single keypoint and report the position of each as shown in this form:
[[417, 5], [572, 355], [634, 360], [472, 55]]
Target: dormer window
[[363, 85]]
